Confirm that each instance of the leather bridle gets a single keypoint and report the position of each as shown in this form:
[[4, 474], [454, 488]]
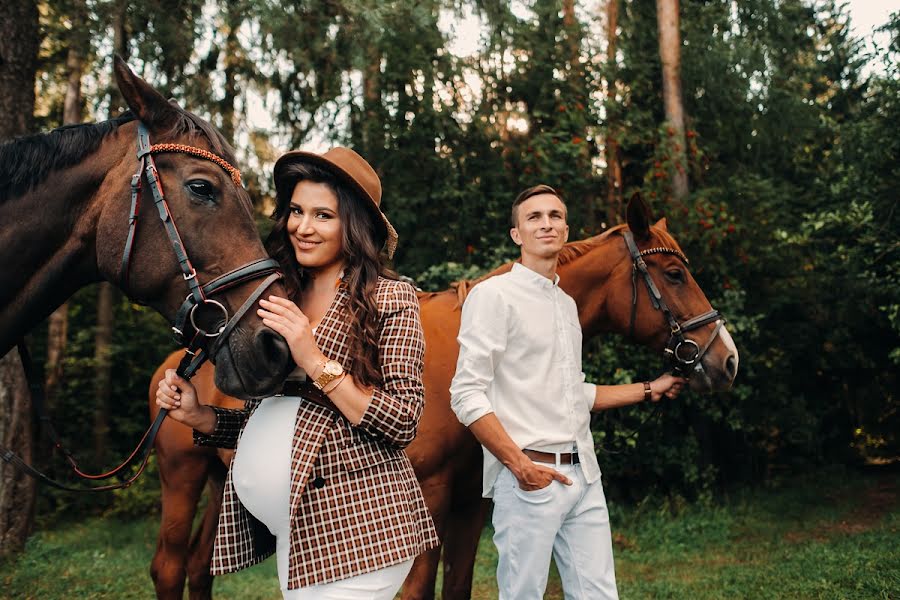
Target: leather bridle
[[684, 354], [185, 327], [187, 331]]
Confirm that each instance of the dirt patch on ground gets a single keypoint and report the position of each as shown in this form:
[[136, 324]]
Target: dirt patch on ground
[[621, 542], [684, 570], [877, 501], [872, 505]]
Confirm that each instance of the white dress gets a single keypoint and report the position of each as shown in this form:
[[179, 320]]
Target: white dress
[[261, 471]]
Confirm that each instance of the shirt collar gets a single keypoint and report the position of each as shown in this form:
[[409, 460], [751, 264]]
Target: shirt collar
[[526, 275]]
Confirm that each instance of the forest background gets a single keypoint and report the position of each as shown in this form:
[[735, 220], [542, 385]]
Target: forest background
[[779, 179]]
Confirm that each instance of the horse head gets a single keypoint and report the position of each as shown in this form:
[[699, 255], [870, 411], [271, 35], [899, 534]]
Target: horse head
[[207, 234], [647, 293]]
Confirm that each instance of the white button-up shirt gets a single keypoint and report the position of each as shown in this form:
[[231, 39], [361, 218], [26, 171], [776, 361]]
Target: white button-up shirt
[[520, 358]]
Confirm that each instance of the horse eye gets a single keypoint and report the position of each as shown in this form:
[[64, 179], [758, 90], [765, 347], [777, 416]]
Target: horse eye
[[675, 275], [200, 188]]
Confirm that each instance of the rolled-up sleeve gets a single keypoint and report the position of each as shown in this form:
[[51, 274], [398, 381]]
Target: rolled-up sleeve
[[589, 390], [482, 340], [396, 405]]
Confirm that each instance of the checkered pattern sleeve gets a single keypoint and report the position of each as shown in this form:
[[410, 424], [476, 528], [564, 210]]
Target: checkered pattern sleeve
[[229, 422], [394, 411]]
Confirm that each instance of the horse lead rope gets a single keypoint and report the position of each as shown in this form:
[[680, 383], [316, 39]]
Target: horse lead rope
[[37, 395]]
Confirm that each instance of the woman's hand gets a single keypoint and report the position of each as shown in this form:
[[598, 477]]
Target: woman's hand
[[287, 319], [667, 385], [179, 396]]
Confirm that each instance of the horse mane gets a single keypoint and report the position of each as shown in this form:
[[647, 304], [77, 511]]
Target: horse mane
[[28, 160], [569, 253]]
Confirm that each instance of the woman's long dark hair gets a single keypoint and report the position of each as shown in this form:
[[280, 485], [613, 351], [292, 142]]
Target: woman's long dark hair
[[364, 262]]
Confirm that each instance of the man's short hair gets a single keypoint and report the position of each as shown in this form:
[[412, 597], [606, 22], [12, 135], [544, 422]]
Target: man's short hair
[[536, 190]]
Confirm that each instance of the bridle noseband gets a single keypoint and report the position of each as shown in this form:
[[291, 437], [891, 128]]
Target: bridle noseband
[[198, 296], [684, 354]]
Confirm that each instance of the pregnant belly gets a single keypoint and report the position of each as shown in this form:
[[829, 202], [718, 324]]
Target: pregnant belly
[[261, 471]]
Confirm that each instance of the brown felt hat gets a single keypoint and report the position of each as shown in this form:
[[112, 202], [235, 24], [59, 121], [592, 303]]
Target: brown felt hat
[[352, 169]]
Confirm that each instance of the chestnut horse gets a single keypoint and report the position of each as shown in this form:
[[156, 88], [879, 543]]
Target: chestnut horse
[[70, 218], [596, 272]]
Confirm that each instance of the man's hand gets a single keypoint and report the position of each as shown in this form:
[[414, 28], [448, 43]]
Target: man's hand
[[532, 476], [667, 385]]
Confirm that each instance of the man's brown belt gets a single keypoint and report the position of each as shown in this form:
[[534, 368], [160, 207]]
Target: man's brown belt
[[565, 458]]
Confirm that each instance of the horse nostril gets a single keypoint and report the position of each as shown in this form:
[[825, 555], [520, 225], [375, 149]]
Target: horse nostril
[[273, 348], [731, 366]]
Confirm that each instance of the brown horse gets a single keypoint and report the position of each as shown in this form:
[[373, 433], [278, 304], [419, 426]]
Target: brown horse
[[596, 272], [66, 213]]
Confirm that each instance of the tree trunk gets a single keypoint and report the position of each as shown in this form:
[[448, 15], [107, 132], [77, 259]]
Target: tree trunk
[[576, 75], [611, 145], [17, 490], [234, 18], [103, 368], [670, 56], [372, 134], [57, 334], [120, 47], [19, 43], [570, 25], [72, 106]]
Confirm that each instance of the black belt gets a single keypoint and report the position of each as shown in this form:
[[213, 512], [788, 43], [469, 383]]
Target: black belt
[[296, 387]]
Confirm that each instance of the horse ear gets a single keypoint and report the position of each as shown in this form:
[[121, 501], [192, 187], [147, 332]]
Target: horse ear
[[638, 217], [145, 102], [661, 224]]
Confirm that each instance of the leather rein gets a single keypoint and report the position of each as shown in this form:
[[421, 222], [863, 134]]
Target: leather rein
[[188, 332], [683, 354]]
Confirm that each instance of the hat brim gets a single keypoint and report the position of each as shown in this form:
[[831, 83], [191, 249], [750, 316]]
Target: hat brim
[[386, 230]]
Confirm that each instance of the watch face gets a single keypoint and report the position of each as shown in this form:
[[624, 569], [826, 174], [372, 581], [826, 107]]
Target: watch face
[[332, 367]]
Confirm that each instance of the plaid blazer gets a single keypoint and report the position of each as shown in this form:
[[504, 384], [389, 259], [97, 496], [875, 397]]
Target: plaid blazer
[[369, 513]]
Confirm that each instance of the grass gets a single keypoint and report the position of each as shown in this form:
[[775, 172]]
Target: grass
[[834, 535]]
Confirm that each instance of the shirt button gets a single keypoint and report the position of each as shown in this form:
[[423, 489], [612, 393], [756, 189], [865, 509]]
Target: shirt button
[[318, 482]]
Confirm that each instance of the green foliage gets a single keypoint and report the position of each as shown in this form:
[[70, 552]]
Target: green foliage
[[141, 498]]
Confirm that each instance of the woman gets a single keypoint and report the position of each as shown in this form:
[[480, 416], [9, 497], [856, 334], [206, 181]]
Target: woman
[[320, 468]]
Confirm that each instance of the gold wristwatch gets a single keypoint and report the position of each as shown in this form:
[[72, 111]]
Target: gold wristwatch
[[331, 370]]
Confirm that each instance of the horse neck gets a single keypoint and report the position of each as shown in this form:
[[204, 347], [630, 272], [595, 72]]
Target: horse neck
[[591, 279], [52, 243]]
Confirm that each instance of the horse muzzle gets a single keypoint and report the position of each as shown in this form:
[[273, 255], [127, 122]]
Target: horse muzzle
[[717, 368], [252, 364]]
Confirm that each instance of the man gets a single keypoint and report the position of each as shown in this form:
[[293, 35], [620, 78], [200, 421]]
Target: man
[[520, 389]]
